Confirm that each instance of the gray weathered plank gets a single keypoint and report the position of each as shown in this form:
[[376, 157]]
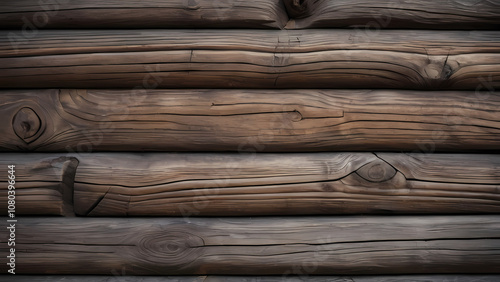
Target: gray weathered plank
[[264, 246]]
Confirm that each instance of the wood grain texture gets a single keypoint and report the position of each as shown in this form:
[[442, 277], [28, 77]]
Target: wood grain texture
[[210, 184], [121, 276], [258, 246], [462, 60], [188, 184], [44, 184], [71, 14], [300, 276], [249, 120], [420, 14]]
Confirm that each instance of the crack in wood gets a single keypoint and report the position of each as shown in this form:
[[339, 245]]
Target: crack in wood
[[170, 246]]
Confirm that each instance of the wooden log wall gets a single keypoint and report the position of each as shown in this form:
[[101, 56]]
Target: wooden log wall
[[362, 136]]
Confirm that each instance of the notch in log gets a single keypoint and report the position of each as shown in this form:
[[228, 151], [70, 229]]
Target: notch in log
[[43, 184]]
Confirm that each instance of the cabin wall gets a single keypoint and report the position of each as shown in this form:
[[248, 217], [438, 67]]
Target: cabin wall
[[269, 140]]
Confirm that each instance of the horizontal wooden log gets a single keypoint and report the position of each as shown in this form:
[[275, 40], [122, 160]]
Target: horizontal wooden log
[[280, 184], [43, 184], [301, 276], [119, 276], [139, 59], [373, 15], [57, 14], [32, 15], [249, 120], [263, 246], [188, 184]]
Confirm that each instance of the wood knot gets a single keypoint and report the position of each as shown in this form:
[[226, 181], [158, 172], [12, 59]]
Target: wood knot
[[192, 5], [327, 187], [376, 171], [433, 71], [437, 71], [26, 124], [175, 247], [295, 116], [297, 8]]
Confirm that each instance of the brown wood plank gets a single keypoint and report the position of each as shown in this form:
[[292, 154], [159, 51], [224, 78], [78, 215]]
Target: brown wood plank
[[370, 16], [263, 246], [279, 184], [43, 184], [69, 14], [250, 120], [139, 59], [299, 276]]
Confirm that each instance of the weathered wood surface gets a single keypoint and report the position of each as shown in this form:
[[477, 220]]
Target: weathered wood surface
[[464, 60], [207, 184], [302, 276], [43, 184], [279, 184], [56, 14], [373, 15], [249, 120], [263, 246], [119, 276]]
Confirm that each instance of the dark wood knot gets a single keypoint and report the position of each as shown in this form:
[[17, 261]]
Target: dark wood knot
[[297, 9], [376, 171], [26, 123]]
